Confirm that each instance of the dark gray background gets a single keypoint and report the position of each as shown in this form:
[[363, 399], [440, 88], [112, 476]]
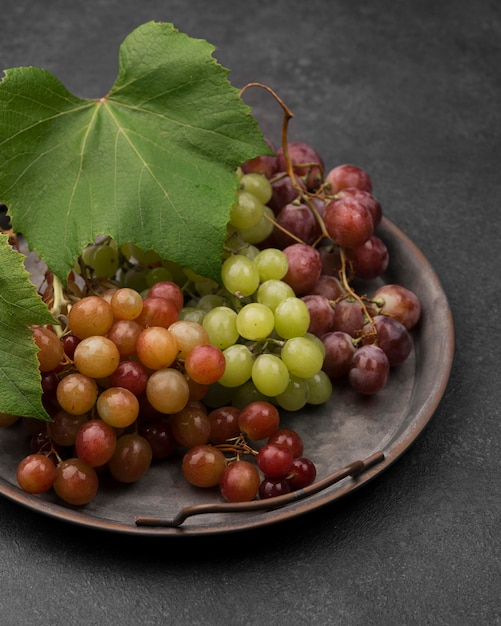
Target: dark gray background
[[411, 91]]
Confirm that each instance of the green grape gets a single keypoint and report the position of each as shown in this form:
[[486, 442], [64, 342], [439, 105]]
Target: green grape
[[260, 231], [240, 275], [246, 394], [210, 301], [258, 185], [295, 396], [292, 318], [88, 255], [317, 341], [135, 278], [221, 326], [239, 362], [247, 210], [302, 357], [272, 264], [158, 274], [192, 314], [132, 251], [105, 261], [320, 388], [272, 292], [270, 374], [255, 321]]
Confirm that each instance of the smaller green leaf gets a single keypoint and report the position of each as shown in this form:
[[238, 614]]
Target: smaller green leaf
[[20, 307]]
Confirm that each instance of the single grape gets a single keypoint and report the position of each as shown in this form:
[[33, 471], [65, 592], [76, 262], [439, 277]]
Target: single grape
[[273, 487], [203, 466], [270, 374], [292, 318], [240, 275], [319, 387], [348, 317], [272, 292], [157, 312], [259, 420], [124, 334], [157, 347], [369, 369], [188, 335], [302, 356], [290, 439], [400, 303], [295, 396], [76, 393], [339, 351], [347, 176], [118, 407], [50, 349], [306, 163], [255, 321], [76, 482], [131, 375], [258, 185], [36, 473], [321, 314], [240, 481], [169, 290], [69, 343], [220, 324], [259, 232], [90, 316], [224, 424], [131, 459], [304, 267], [96, 357], [302, 473], [126, 304], [167, 390], [272, 264], [64, 427], [348, 222], [369, 260], [247, 210], [205, 364], [238, 365], [158, 434], [367, 199], [392, 337], [295, 222], [190, 427], [95, 442], [274, 461]]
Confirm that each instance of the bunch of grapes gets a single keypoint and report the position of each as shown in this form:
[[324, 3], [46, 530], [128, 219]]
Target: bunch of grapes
[[152, 358]]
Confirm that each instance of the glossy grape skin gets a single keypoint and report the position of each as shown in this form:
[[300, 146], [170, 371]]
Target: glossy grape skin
[[339, 351], [347, 176], [369, 260], [400, 303], [76, 393], [157, 347], [240, 275], [306, 163], [298, 220], [367, 199], [203, 466], [259, 420], [124, 334], [90, 316], [76, 482], [158, 312], [392, 337], [369, 370], [190, 427], [50, 349], [118, 407], [36, 473], [288, 438], [126, 304], [305, 268], [167, 390], [64, 427], [224, 424], [274, 461], [321, 314], [240, 482], [158, 434], [169, 290], [329, 287], [292, 318], [205, 364], [348, 222], [131, 459], [348, 317], [96, 356], [95, 442], [188, 334], [273, 487], [302, 473], [131, 375]]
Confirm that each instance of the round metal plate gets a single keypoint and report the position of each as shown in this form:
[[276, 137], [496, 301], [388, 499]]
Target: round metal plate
[[347, 428]]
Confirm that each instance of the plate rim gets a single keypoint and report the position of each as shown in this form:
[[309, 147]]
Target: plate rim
[[392, 453]]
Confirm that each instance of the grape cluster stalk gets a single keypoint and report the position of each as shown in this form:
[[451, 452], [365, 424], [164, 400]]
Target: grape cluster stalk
[[151, 360]]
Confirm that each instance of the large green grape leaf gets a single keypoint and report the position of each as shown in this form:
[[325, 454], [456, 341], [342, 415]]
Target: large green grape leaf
[[151, 163], [20, 306]]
